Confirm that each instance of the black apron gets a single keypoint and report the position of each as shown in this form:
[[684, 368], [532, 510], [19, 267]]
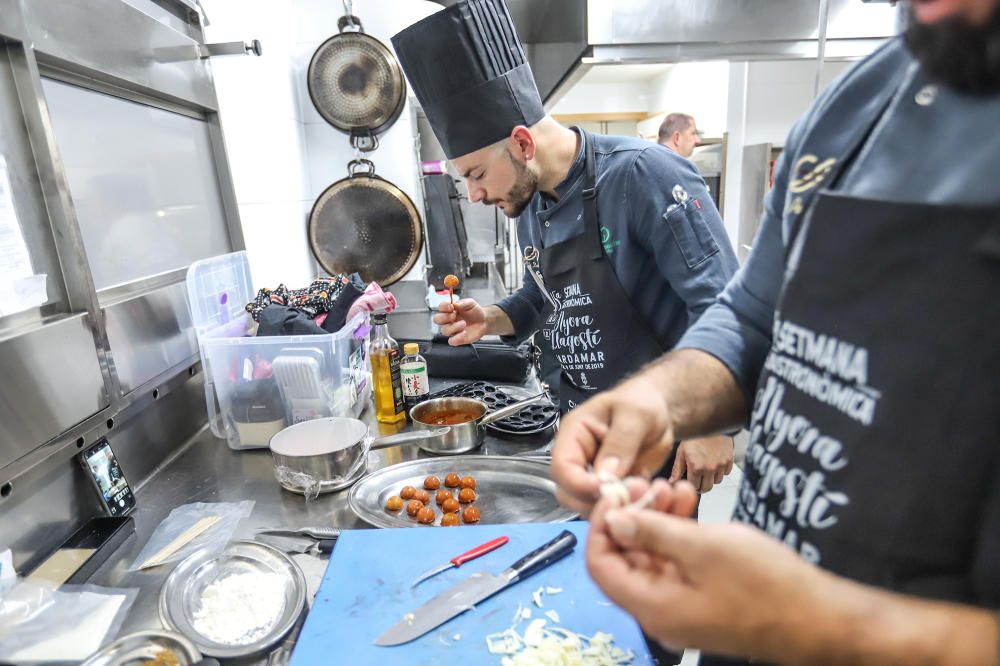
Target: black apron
[[594, 330], [875, 430]]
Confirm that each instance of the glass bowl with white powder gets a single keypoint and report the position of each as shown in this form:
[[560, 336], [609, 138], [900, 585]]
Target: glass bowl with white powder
[[236, 603]]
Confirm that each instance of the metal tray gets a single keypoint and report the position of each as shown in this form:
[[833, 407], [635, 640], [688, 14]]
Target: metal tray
[[511, 490], [182, 591]]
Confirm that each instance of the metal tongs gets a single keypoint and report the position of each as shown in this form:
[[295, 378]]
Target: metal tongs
[[316, 533], [323, 538]]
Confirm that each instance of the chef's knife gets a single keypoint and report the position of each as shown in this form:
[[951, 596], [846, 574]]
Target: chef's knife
[[298, 545], [478, 587]]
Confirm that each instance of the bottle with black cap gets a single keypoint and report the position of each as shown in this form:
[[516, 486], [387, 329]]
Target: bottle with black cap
[[388, 389]]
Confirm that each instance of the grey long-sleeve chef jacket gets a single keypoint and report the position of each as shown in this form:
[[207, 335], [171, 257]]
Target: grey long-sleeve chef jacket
[[932, 145], [671, 259]]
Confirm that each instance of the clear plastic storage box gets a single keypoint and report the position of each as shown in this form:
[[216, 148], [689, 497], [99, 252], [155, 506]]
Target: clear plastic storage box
[[254, 387]]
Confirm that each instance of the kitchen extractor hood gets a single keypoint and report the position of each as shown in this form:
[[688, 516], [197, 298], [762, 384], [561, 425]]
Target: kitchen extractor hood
[[565, 38]]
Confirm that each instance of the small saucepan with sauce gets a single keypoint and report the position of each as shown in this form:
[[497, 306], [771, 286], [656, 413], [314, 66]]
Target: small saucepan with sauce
[[467, 418]]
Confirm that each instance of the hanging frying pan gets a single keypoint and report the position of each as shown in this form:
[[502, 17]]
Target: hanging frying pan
[[356, 84], [365, 224]]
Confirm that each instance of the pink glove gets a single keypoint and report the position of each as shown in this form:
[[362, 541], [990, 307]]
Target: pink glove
[[373, 300]]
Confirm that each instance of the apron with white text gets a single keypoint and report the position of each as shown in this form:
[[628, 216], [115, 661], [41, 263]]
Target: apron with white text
[[875, 431], [594, 330]]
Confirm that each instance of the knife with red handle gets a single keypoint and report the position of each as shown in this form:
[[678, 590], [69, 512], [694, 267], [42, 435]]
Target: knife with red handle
[[458, 561]]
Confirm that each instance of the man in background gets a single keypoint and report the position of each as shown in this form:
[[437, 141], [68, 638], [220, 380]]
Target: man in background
[[680, 134]]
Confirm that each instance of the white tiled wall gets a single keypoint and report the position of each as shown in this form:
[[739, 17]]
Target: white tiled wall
[[282, 153]]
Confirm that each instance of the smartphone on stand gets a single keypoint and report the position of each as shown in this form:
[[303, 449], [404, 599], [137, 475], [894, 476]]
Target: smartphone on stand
[[106, 473]]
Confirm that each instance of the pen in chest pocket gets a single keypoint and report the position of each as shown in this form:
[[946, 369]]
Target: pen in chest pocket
[[531, 263]]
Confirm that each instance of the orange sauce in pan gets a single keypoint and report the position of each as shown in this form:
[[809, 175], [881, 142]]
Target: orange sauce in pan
[[449, 417]]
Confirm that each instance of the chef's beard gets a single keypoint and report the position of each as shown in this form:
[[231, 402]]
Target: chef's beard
[[953, 52], [521, 193]]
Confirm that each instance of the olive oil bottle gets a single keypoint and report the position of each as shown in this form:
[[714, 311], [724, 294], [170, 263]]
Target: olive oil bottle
[[384, 354]]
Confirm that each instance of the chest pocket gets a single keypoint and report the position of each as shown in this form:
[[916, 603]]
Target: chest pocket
[[691, 234]]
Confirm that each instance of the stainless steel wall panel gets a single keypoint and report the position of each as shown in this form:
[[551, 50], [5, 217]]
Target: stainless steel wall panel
[[31, 526], [49, 502], [11, 23], [26, 191], [176, 14], [226, 185], [149, 334], [111, 39], [51, 381], [159, 431], [756, 173], [61, 389], [143, 184], [65, 232]]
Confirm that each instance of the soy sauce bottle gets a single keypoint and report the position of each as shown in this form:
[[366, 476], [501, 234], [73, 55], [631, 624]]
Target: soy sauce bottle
[[384, 353], [413, 369]]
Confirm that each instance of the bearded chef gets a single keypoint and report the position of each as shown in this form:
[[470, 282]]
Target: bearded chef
[[860, 343]]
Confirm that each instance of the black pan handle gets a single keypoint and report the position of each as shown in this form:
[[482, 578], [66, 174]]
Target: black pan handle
[[325, 546], [545, 555]]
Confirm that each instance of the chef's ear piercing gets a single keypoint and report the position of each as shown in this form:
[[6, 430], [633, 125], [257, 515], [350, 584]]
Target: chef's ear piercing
[[525, 141]]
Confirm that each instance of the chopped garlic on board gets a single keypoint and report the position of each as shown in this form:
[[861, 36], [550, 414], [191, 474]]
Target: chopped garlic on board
[[556, 646]]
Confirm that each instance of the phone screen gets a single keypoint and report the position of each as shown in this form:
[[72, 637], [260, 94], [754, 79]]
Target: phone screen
[[100, 461]]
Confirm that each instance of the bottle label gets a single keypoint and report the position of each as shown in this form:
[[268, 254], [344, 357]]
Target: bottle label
[[397, 387], [415, 382]]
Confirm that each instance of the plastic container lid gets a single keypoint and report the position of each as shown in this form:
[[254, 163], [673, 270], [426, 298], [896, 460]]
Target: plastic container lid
[[411, 349], [218, 289]]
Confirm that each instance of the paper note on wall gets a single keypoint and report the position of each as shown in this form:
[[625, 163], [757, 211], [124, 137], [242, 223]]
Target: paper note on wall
[[20, 287]]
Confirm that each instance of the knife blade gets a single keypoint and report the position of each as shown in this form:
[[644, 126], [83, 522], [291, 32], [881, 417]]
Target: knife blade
[[298, 545], [473, 590]]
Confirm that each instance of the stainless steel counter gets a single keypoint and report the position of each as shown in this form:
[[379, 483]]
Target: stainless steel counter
[[207, 470]]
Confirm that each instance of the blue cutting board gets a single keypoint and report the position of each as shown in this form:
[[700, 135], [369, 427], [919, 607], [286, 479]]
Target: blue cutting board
[[366, 589]]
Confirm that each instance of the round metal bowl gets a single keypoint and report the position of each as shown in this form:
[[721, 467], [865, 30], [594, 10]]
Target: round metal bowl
[[180, 597], [323, 455], [145, 647]]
